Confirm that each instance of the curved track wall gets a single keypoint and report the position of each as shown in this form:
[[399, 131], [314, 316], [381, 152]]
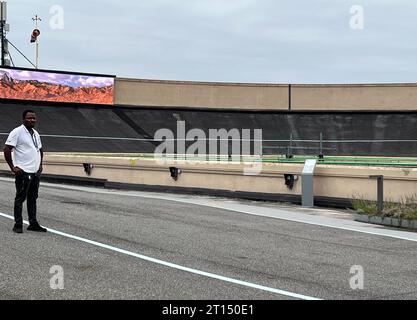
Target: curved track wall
[[119, 129], [259, 96]]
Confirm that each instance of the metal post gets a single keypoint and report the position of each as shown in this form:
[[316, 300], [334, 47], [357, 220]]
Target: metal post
[[380, 192], [3, 15], [289, 148], [36, 19], [307, 185], [321, 146], [37, 53], [2, 43]]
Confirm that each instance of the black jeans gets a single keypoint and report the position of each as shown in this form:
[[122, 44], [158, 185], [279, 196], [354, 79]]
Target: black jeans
[[27, 185]]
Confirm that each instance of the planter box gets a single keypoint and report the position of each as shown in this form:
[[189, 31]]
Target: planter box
[[407, 223], [395, 222], [387, 221], [375, 219], [361, 217]]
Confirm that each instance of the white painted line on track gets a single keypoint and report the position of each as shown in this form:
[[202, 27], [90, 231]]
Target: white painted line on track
[[174, 266]]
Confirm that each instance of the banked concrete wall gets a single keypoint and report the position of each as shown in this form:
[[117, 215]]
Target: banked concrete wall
[[200, 94], [330, 181], [139, 92], [355, 97], [79, 128]]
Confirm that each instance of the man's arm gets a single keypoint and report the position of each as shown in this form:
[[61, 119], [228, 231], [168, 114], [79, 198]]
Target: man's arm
[[8, 156], [41, 165]]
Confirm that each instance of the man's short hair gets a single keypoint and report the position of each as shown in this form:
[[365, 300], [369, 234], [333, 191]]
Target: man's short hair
[[26, 112]]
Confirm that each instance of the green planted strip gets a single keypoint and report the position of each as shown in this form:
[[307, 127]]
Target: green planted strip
[[328, 160]]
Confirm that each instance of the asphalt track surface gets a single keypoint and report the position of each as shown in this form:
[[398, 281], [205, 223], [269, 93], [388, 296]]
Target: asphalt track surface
[[145, 246]]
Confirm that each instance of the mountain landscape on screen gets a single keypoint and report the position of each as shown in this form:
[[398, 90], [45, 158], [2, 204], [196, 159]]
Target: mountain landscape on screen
[[46, 90]]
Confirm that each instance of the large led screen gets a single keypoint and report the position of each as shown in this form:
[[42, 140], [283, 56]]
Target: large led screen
[[53, 86]]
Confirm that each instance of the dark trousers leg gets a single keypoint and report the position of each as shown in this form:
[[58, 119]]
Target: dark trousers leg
[[32, 196], [22, 184], [27, 186]]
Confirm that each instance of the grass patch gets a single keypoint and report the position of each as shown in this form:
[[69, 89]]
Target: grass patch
[[405, 209]]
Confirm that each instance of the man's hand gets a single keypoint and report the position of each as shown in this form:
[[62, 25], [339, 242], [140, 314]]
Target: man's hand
[[17, 171], [40, 170]]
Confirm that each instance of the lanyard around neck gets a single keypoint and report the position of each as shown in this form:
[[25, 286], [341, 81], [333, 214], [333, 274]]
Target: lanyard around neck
[[33, 137]]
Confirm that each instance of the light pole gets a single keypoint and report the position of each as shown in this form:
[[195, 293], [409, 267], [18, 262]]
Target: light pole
[[3, 16], [36, 33]]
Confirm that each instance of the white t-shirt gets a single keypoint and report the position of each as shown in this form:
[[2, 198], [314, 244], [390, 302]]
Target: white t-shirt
[[25, 154]]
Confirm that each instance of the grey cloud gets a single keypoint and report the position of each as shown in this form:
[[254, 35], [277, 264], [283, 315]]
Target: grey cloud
[[296, 41]]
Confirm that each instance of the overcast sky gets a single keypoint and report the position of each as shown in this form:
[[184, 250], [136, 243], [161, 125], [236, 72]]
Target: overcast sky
[[272, 41]]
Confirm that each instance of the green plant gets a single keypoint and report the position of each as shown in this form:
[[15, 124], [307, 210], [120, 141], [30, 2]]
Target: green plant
[[406, 208], [364, 206]]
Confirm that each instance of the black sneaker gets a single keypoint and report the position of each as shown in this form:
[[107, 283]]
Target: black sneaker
[[36, 227], [18, 228]]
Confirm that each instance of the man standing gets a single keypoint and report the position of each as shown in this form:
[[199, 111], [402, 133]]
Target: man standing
[[26, 164]]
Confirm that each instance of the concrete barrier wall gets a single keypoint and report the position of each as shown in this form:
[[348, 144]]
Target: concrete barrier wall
[[330, 181], [265, 96], [200, 94], [354, 97], [131, 130]]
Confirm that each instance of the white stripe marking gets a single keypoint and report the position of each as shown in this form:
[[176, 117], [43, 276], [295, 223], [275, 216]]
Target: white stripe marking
[[175, 266]]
